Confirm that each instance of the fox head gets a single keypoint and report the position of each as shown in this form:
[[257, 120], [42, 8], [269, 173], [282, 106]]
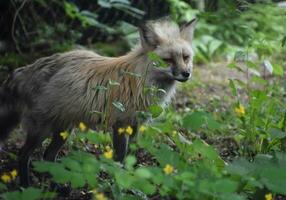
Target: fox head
[[172, 43]]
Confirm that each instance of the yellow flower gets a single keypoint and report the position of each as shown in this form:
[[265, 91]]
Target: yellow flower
[[94, 191], [64, 135], [14, 173], [142, 129], [168, 169], [100, 196], [82, 127], [240, 111], [174, 133], [268, 196], [108, 154], [6, 178], [121, 130], [129, 130]]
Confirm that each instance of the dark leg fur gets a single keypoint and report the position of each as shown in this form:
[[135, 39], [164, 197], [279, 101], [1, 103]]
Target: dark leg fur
[[35, 136], [51, 155], [54, 147], [120, 141], [9, 117]]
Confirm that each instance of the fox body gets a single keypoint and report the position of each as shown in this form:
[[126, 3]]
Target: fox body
[[57, 92]]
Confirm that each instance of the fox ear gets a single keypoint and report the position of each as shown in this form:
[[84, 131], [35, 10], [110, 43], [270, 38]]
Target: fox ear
[[149, 38], [187, 30]]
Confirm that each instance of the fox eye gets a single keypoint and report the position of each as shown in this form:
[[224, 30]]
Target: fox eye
[[168, 60], [186, 57]]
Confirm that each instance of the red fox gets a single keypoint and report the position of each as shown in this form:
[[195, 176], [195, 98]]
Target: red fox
[[58, 92]]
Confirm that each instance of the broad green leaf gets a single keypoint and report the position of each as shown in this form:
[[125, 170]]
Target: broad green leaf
[[143, 173], [274, 179], [224, 186], [197, 119], [124, 179]]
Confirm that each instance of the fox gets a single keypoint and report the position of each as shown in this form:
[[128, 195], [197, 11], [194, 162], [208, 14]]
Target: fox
[[56, 93]]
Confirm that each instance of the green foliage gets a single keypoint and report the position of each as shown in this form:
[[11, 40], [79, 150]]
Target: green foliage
[[197, 120], [28, 193], [266, 171]]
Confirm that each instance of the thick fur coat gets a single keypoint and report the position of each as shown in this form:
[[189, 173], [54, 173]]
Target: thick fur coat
[[57, 92]]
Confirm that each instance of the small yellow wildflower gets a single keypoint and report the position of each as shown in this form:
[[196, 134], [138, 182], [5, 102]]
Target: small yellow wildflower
[[94, 191], [107, 148], [100, 196], [82, 127], [168, 169], [268, 196], [174, 133], [64, 135], [121, 130], [6, 178], [129, 130], [108, 154], [240, 110], [13, 173], [142, 129]]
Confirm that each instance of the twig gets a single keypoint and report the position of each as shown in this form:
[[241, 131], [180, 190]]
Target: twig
[[13, 25]]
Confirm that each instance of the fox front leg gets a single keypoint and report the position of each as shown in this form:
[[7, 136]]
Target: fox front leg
[[121, 136]]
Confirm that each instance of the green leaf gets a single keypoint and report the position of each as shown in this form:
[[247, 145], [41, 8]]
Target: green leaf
[[232, 87], [113, 83], [143, 173], [251, 65], [197, 119], [224, 186], [118, 105], [239, 167], [278, 70], [283, 41], [155, 110], [104, 3], [3, 187], [130, 161], [28, 193], [194, 120], [274, 179], [124, 179], [258, 79], [276, 133], [231, 65], [157, 60], [99, 87]]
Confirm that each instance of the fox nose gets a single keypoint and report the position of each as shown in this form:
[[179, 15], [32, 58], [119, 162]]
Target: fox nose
[[185, 74]]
